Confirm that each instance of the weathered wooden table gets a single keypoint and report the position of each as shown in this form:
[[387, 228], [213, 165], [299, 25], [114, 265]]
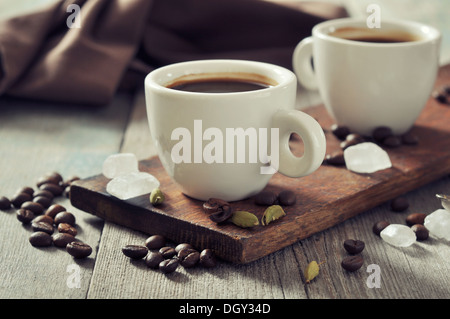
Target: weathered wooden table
[[37, 137]]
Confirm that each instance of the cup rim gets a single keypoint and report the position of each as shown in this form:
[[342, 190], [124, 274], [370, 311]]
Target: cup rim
[[155, 79], [319, 31]]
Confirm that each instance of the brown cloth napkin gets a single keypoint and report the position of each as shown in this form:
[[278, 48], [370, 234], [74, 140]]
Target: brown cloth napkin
[[120, 41]]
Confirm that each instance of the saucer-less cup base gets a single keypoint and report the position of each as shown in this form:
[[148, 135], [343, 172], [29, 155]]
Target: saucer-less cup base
[[179, 118], [365, 85]]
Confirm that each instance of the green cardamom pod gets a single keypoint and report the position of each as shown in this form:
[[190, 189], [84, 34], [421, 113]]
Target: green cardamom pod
[[157, 197], [272, 213], [244, 219]]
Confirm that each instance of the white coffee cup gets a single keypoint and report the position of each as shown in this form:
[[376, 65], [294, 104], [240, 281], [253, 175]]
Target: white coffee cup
[[190, 129], [364, 85]]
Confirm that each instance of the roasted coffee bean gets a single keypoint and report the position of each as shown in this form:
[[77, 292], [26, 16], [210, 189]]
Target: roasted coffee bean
[[54, 209], [265, 198], [44, 201], [69, 181], [26, 189], [182, 246], [62, 239], [208, 258], [421, 231], [155, 242], [399, 204], [352, 139], [214, 205], [67, 228], [153, 259], [40, 239], [135, 251], [24, 215], [36, 208], [380, 133], [409, 139], [78, 249], [415, 218], [43, 192], [340, 131], [168, 265], [440, 97], [44, 219], [379, 226], [188, 257], [287, 198], [65, 217], [392, 141], [49, 178], [352, 263], [5, 203], [335, 158], [168, 252], [18, 199], [42, 227], [55, 189], [353, 246]]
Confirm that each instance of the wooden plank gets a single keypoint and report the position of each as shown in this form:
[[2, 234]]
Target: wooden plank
[[320, 203]]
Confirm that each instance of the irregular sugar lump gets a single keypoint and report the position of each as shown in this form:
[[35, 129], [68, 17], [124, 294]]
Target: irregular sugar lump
[[120, 164], [438, 223], [366, 157], [398, 235], [132, 185]]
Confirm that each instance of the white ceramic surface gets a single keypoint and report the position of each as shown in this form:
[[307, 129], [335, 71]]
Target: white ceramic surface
[[273, 107], [364, 85]]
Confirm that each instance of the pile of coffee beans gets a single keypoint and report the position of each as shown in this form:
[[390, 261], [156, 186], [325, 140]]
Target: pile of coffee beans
[[50, 222], [382, 136], [354, 261], [442, 95], [158, 254]]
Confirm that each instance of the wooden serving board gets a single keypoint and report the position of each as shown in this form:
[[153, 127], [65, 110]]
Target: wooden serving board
[[325, 198]]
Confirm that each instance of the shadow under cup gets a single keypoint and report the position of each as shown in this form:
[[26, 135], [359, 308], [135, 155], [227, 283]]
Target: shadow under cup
[[218, 143], [371, 77]]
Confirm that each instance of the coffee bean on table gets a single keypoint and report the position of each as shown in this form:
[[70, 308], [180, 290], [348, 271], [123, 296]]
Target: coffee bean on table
[[43, 192], [44, 201], [392, 141], [415, 218], [50, 178], [18, 199], [54, 209], [62, 239], [36, 208], [409, 139], [380, 133], [43, 218], [155, 242], [399, 204], [351, 139], [379, 226], [340, 131], [182, 246], [421, 231], [153, 259], [40, 239], [26, 189], [168, 265], [5, 203], [42, 227], [188, 257], [353, 246], [24, 215], [265, 198], [65, 217], [352, 263], [168, 252], [78, 249], [56, 190], [67, 228], [135, 251], [335, 158], [207, 258], [287, 198]]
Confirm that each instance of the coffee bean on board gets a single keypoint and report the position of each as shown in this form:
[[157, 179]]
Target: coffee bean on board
[[24, 215], [340, 131], [182, 246], [62, 239], [67, 228], [353, 246], [379, 226], [168, 265], [421, 231], [287, 198], [265, 198], [42, 227], [54, 209], [65, 217], [188, 257], [399, 204], [207, 258], [168, 252], [36, 208], [5, 203], [40, 239], [79, 249], [415, 218], [153, 259], [155, 242], [135, 251], [352, 263], [18, 199]]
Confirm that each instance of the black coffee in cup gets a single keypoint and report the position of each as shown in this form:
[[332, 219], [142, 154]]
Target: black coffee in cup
[[374, 35]]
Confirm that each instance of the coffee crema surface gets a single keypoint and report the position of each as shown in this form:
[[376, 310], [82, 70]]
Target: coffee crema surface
[[374, 35], [221, 82]]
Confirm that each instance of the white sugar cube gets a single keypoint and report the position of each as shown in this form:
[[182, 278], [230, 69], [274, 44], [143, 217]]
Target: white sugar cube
[[132, 185], [438, 223], [120, 164], [366, 157], [398, 235]]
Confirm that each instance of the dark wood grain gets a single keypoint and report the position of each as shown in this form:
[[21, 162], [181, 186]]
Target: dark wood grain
[[325, 198]]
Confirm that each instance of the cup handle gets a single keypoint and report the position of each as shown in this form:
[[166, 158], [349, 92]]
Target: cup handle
[[294, 121], [301, 62]]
